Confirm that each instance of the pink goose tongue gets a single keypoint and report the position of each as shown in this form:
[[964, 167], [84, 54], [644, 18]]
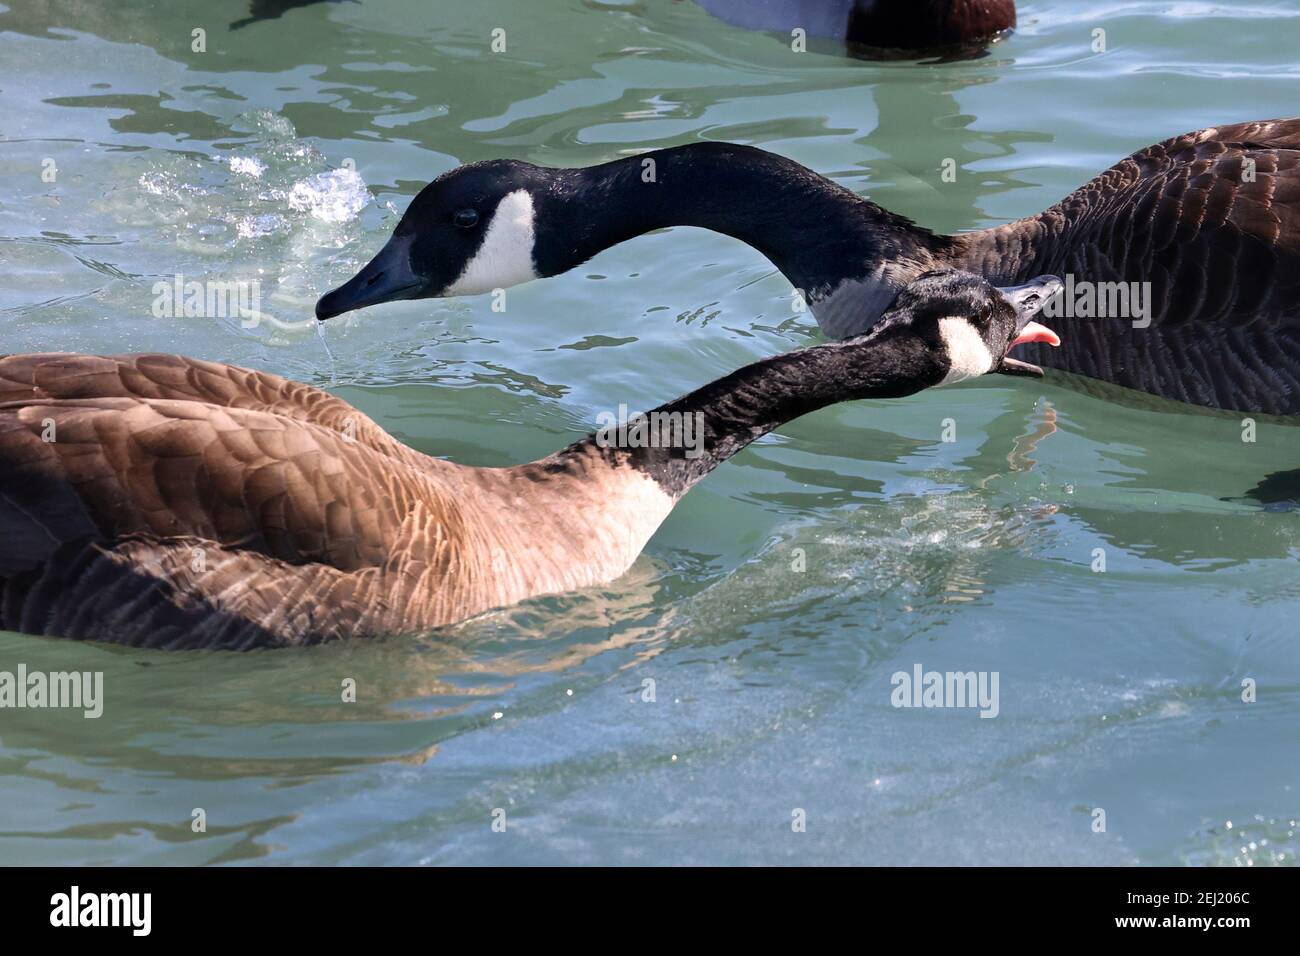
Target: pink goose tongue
[[1033, 332]]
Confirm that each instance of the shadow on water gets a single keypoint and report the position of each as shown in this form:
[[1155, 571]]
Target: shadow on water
[[273, 9], [1279, 491]]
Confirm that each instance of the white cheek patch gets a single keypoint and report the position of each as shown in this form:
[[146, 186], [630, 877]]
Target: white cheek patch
[[968, 356], [506, 256]]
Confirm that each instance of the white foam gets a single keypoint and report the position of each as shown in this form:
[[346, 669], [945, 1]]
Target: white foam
[[336, 195], [247, 166]]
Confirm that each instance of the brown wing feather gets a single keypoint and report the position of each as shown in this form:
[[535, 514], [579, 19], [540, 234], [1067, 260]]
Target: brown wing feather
[[98, 455], [1212, 220], [165, 502], [61, 375]]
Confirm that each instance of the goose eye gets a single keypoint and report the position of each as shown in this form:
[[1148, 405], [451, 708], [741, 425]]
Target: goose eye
[[466, 218]]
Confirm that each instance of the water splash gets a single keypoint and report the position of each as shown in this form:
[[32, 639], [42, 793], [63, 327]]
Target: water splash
[[329, 353], [336, 195], [1258, 841], [251, 192], [267, 205], [247, 166]]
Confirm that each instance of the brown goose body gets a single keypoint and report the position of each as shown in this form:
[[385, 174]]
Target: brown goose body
[[182, 503], [1210, 219], [167, 502]]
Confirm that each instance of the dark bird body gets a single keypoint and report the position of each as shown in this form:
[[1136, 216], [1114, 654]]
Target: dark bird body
[[1220, 249], [878, 27]]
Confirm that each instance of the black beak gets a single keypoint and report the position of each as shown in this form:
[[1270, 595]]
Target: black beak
[[387, 278], [1028, 300]]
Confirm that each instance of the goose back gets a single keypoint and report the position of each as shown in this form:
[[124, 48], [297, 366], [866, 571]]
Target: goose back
[[1211, 219]]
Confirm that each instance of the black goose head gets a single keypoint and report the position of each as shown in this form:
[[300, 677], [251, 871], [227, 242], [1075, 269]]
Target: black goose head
[[498, 223], [471, 230], [967, 324]]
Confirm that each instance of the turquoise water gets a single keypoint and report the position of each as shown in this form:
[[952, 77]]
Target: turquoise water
[[285, 152]]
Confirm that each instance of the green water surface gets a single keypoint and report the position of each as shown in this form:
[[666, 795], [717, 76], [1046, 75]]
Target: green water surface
[[285, 152]]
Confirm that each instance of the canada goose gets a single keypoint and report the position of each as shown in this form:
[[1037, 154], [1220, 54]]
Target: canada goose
[[167, 502], [878, 27], [1210, 219]]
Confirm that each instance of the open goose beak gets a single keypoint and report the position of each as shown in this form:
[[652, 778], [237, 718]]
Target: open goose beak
[[1028, 301]]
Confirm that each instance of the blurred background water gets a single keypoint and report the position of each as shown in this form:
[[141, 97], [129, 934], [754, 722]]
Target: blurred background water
[[286, 151]]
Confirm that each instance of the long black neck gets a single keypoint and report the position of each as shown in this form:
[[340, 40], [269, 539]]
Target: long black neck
[[685, 439], [816, 232]]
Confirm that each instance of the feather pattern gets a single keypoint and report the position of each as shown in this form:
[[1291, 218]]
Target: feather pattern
[[1212, 220], [157, 500]]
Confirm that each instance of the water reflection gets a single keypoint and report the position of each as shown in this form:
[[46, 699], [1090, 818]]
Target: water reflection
[[1152, 496], [273, 9]]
